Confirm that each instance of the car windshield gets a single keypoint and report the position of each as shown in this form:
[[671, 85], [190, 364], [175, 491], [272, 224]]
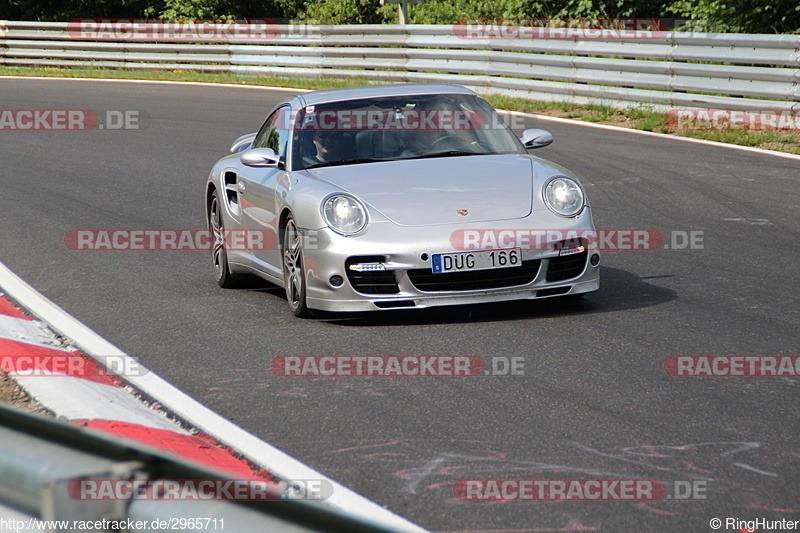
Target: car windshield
[[398, 127]]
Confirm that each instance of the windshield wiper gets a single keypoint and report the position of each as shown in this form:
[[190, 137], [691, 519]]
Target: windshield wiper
[[449, 153], [347, 162]]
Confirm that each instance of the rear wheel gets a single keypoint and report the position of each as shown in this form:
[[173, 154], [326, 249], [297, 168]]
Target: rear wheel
[[218, 253], [293, 272]]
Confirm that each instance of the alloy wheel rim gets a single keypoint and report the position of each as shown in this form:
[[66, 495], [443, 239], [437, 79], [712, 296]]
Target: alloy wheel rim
[[218, 234], [292, 265]]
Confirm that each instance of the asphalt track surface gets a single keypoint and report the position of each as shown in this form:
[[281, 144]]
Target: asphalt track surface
[[594, 403]]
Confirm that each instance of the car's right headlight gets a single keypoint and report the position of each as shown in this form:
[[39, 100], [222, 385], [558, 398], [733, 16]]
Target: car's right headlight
[[344, 213], [564, 196]]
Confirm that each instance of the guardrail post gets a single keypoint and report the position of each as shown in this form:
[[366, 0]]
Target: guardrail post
[[59, 501]]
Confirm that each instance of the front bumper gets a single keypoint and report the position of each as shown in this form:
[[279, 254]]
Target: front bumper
[[405, 249]]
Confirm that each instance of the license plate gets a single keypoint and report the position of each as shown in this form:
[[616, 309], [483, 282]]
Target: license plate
[[469, 261]]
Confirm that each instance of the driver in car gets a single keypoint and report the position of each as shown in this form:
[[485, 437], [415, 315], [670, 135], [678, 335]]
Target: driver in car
[[326, 144]]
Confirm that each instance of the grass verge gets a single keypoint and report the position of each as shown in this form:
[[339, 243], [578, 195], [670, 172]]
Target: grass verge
[[637, 117]]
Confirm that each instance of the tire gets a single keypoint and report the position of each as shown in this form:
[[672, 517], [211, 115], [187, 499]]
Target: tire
[[293, 270], [219, 255]]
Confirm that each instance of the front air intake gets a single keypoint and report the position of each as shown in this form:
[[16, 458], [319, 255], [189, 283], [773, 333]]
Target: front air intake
[[566, 266], [370, 281]]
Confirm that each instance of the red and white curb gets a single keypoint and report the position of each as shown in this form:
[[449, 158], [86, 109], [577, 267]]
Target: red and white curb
[[84, 390], [75, 388]]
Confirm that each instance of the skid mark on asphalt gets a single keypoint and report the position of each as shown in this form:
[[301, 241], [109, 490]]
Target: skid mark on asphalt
[[714, 463]]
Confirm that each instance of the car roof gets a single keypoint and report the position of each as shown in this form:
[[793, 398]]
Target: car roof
[[377, 91]]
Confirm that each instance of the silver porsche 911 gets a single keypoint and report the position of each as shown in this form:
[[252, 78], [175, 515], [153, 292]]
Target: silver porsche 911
[[397, 197]]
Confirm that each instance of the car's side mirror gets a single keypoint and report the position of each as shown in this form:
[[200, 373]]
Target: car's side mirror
[[536, 138], [260, 157], [243, 143]]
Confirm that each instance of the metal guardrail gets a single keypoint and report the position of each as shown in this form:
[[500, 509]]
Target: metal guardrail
[[671, 69], [41, 458]]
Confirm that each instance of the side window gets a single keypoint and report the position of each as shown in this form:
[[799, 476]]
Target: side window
[[275, 131]]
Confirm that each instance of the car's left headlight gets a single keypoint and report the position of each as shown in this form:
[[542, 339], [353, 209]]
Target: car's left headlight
[[564, 196], [344, 213]]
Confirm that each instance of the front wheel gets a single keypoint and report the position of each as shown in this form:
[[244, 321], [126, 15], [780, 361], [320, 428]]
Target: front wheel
[[293, 272]]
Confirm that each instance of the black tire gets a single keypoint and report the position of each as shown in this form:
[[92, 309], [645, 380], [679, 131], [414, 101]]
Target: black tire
[[219, 255], [293, 271]]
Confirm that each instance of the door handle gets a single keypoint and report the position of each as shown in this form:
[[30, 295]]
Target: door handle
[[240, 187]]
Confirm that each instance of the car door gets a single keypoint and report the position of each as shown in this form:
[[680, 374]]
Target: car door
[[259, 193]]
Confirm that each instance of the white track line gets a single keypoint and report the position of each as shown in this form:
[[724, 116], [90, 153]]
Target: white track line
[[262, 453], [518, 113], [163, 82]]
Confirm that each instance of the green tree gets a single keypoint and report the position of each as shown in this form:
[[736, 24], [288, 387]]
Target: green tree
[[230, 9], [350, 12], [453, 11], [196, 9], [66, 10], [612, 9], [741, 16]]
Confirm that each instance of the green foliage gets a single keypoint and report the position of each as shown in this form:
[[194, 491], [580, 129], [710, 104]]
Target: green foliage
[[612, 9], [350, 12], [738, 16], [645, 119], [185, 75], [196, 9], [518, 104], [601, 113], [66, 10], [291, 9], [741, 16], [454, 11], [230, 9]]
